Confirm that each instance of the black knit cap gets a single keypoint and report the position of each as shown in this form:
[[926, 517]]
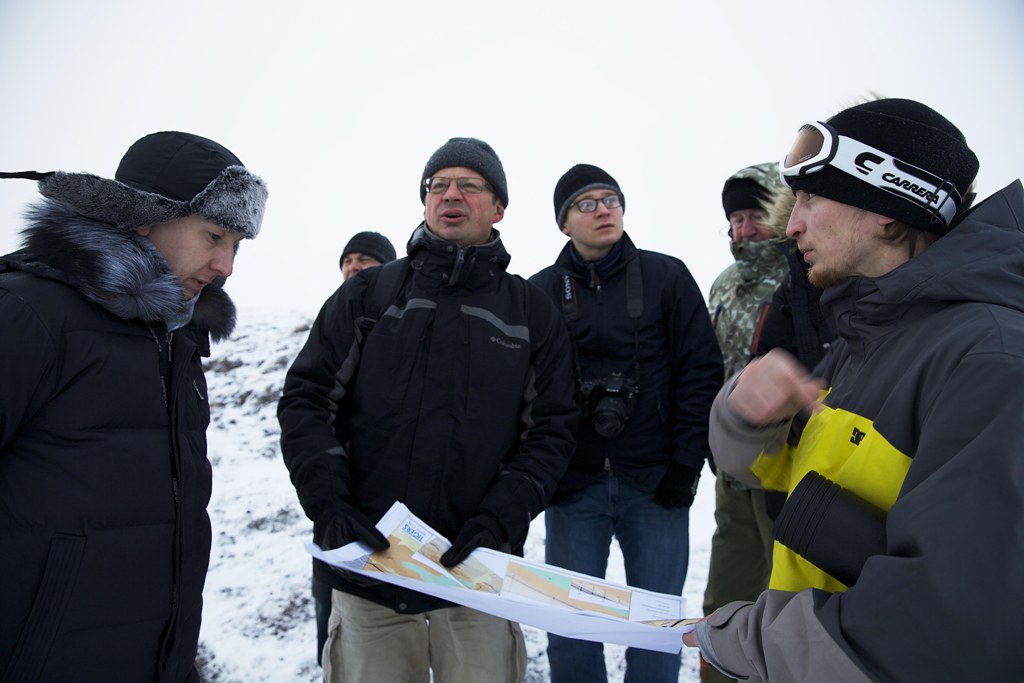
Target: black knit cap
[[470, 153], [742, 193], [373, 244], [577, 180], [910, 132]]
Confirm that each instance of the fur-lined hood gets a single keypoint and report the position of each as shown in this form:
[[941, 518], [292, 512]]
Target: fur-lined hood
[[779, 207], [119, 270]]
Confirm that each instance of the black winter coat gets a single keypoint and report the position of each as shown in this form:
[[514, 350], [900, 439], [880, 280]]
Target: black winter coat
[[673, 342], [104, 479], [462, 397]]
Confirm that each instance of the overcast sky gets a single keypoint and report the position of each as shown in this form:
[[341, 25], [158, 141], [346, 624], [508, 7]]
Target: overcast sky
[[338, 105]]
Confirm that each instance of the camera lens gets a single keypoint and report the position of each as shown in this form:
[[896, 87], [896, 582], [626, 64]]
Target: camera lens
[[609, 416]]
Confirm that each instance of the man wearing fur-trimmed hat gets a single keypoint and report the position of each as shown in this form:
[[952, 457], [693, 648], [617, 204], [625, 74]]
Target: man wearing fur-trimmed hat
[[901, 453], [647, 368], [108, 310], [453, 395]]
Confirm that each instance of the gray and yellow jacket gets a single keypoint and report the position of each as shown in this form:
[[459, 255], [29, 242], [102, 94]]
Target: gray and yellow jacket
[[924, 418]]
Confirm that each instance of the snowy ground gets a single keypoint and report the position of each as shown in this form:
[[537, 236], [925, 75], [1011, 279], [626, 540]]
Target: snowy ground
[[258, 616]]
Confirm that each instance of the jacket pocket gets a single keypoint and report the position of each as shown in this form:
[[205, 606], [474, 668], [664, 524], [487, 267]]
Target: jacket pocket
[[44, 619]]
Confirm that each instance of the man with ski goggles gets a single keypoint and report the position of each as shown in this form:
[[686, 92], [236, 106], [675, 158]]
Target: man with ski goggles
[[818, 145], [915, 417]]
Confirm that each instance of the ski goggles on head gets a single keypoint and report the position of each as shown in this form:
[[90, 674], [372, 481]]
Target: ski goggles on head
[[818, 145]]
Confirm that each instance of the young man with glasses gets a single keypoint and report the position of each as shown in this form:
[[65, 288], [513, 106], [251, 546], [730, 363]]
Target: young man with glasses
[[902, 453], [647, 367], [458, 403]]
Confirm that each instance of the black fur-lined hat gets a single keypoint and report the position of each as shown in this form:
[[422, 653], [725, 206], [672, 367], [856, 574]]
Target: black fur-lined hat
[[162, 177]]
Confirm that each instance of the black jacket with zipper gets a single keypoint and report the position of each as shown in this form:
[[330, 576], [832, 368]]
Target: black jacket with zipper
[[460, 396], [104, 479], [673, 346]]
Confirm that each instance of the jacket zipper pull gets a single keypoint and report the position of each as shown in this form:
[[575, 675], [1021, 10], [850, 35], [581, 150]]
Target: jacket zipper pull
[[460, 258]]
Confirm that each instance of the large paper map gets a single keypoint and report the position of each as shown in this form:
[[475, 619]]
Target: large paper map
[[550, 598]]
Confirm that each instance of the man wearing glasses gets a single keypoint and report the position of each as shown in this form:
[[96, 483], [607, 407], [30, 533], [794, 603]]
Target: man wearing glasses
[[902, 455], [647, 367], [458, 403]]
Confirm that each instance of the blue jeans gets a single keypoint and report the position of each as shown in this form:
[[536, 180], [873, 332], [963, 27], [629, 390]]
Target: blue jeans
[[655, 545]]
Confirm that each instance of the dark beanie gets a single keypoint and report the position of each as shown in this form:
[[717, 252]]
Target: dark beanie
[[742, 193], [577, 180], [373, 244], [470, 153], [909, 131]]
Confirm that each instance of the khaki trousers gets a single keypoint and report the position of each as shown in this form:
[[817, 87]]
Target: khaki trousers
[[368, 643]]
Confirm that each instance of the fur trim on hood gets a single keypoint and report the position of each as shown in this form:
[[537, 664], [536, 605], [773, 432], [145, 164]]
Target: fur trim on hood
[[779, 206], [121, 271]]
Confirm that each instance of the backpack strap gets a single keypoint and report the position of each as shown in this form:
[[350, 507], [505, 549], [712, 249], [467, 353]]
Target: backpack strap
[[634, 307], [382, 292], [634, 292]]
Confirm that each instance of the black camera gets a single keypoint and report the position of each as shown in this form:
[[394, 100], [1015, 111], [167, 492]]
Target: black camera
[[608, 403]]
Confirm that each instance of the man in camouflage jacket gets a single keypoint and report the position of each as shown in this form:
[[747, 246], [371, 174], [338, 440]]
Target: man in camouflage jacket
[[740, 298]]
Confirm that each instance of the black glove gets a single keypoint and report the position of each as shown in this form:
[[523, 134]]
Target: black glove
[[344, 524], [503, 516], [678, 487], [481, 531]]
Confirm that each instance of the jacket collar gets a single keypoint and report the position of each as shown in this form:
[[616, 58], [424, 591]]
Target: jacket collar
[[569, 263], [978, 261], [444, 263]]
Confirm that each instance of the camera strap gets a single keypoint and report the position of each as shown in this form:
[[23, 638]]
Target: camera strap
[[634, 307], [634, 292]]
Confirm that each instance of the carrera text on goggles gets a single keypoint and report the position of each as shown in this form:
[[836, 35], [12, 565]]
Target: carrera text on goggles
[[612, 201], [818, 145], [440, 184]]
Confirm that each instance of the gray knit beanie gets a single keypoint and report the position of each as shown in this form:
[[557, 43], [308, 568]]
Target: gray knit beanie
[[470, 153]]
